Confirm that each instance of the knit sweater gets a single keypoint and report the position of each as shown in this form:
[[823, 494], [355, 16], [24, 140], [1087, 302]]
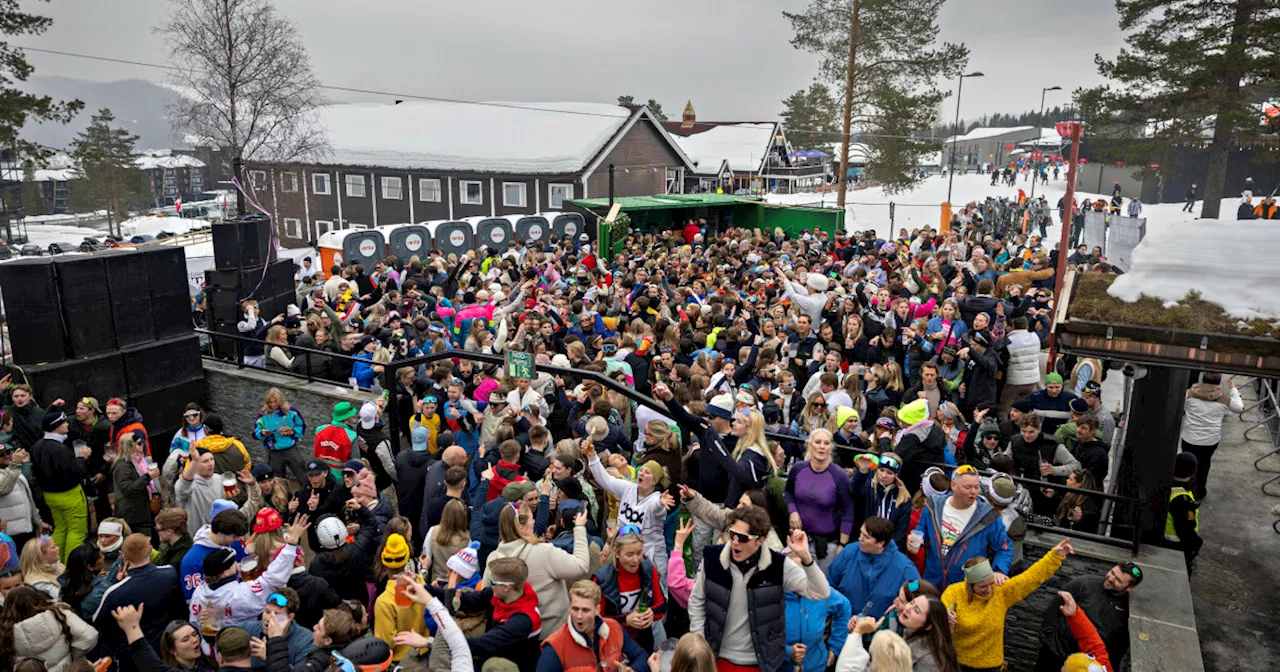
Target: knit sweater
[[979, 631]]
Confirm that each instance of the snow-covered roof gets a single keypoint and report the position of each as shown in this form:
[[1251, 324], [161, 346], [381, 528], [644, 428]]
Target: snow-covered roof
[[163, 158], [493, 137], [934, 159], [1176, 257], [743, 145], [707, 165], [984, 133], [1048, 138], [41, 175]]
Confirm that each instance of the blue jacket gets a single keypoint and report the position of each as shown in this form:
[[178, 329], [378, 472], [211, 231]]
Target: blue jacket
[[1053, 411], [807, 624], [362, 369], [984, 536], [299, 639], [958, 327], [870, 582], [191, 571], [274, 421]]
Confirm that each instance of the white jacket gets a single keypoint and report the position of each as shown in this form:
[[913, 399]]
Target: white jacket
[[244, 601], [17, 506], [1024, 358], [1203, 423], [531, 397], [41, 637]]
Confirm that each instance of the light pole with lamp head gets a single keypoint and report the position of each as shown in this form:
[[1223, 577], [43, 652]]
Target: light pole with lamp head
[[1039, 121], [951, 165]]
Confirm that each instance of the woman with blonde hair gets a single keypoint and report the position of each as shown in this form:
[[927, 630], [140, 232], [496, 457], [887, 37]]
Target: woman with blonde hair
[[551, 570], [278, 358], [692, 654], [814, 416], [889, 651], [752, 462], [40, 566], [628, 566], [444, 540], [135, 483], [279, 426], [818, 499]]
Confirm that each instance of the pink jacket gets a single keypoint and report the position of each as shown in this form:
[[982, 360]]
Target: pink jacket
[[679, 585]]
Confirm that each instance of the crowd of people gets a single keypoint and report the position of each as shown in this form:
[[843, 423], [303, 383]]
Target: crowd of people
[[850, 438]]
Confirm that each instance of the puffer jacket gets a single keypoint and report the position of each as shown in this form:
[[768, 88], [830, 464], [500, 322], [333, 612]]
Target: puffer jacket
[[870, 582], [41, 636], [228, 453], [1024, 358], [917, 444]]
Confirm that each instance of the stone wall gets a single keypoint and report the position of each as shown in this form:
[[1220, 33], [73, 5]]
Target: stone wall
[[236, 394]]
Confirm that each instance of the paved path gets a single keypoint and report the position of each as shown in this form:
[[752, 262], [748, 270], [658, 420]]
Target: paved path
[[1236, 584]]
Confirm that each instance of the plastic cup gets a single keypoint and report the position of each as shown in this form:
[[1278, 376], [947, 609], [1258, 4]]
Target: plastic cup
[[402, 600], [915, 540]]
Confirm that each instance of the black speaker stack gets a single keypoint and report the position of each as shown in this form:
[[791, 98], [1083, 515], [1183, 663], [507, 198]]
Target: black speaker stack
[[245, 268], [110, 324]]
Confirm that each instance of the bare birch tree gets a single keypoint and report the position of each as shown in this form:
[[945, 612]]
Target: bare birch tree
[[245, 79]]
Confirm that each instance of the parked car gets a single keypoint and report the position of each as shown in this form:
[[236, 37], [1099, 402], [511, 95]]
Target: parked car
[[90, 245], [164, 234], [60, 248], [142, 238], [32, 250], [111, 241], [7, 252]]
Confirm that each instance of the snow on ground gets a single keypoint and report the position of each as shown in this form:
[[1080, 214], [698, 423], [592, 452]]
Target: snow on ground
[[1231, 263], [45, 234], [869, 208], [150, 225]]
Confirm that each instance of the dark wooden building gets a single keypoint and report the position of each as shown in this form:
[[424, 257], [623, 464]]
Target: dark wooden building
[[424, 161]]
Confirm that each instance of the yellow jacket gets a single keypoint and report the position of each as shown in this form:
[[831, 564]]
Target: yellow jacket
[[979, 631], [388, 619]]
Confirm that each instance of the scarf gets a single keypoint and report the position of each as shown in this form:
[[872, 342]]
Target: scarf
[[141, 466]]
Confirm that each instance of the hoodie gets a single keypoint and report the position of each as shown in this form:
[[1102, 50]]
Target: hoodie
[[228, 453], [870, 581], [191, 571], [241, 601], [504, 473]]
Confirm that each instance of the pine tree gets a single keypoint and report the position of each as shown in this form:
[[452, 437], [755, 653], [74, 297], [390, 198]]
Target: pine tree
[[1193, 67], [107, 175], [895, 67], [655, 108], [16, 106], [34, 201], [811, 117]]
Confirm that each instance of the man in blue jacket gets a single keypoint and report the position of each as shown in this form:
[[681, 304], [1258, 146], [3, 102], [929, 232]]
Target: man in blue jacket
[[870, 573], [807, 623], [959, 526]]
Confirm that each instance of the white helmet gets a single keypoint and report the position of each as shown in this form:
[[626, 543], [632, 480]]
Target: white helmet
[[331, 531]]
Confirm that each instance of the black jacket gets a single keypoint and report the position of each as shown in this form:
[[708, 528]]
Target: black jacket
[[916, 447], [55, 466], [1108, 613], [766, 606], [344, 567], [980, 377], [412, 467], [314, 596], [172, 554], [1094, 457], [157, 594]]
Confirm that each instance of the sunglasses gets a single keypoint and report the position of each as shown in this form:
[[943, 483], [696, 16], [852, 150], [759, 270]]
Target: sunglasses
[[628, 529], [889, 463], [743, 537], [278, 600], [1133, 570], [819, 404], [429, 400], [191, 415], [965, 469]]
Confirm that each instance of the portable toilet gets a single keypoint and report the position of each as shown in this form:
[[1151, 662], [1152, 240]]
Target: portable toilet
[[494, 233], [569, 225], [455, 237], [533, 229], [364, 247], [329, 245], [410, 241]]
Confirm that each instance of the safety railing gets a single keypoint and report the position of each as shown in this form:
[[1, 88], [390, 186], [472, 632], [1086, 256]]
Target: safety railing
[[229, 348], [388, 383], [1269, 422]]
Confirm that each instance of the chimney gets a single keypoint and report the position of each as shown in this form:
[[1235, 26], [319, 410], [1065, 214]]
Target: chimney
[[689, 117]]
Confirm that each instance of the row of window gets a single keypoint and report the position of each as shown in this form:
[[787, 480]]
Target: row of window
[[470, 192], [293, 227]]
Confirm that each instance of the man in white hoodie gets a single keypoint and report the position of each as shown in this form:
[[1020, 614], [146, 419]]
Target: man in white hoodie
[[1202, 427], [230, 600]]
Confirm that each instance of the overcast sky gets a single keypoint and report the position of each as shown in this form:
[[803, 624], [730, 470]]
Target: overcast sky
[[735, 64]]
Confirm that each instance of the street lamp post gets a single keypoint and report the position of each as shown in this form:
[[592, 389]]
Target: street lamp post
[[955, 137], [1036, 147]]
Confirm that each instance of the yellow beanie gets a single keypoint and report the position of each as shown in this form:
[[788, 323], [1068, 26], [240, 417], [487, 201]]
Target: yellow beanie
[[913, 412], [1083, 662], [844, 414], [396, 553]]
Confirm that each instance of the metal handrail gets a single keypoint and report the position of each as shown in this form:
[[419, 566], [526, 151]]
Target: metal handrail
[[238, 356], [389, 384]]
